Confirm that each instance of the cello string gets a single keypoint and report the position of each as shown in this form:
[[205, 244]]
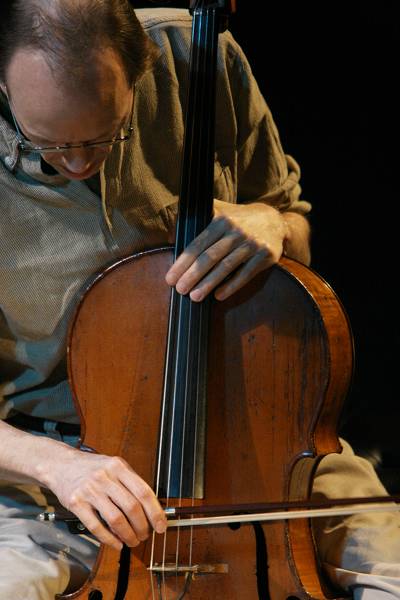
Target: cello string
[[169, 354], [180, 316], [200, 98], [201, 220], [176, 350], [185, 405], [201, 211], [184, 324], [208, 24], [151, 565], [197, 213], [163, 561], [162, 427], [199, 21], [190, 229], [172, 349]]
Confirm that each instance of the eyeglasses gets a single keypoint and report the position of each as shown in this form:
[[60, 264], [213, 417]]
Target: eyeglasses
[[27, 146]]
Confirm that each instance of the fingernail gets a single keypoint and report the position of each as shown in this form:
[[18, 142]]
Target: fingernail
[[182, 289], [196, 295]]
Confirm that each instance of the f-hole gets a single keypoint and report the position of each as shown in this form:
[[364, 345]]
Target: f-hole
[[261, 562]]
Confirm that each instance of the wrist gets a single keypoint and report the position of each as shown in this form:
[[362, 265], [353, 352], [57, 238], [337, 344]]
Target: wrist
[[29, 458], [296, 243], [50, 456]]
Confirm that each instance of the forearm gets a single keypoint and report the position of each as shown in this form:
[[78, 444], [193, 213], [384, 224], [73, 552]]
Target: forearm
[[27, 458], [297, 241], [86, 483]]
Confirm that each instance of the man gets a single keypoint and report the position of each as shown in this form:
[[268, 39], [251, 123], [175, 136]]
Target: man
[[90, 141]]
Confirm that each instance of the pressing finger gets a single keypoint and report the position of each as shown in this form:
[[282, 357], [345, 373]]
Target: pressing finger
[[220, 252], [204, 240], [243, 275], [222, 269]]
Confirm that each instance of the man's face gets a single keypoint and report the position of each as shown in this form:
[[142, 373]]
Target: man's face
[[50, 114]]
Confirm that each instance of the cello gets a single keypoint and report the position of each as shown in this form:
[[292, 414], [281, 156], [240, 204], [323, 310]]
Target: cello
[[216, 404]]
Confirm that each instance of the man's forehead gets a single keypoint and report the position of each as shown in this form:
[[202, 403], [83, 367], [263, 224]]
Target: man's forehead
[[101, 73], [28, 66], [50, 110]]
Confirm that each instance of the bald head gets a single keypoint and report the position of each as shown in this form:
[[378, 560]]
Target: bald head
[[69, 33], [51, 103]]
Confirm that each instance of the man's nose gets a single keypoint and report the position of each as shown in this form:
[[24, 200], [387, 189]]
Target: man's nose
[[78, 160]]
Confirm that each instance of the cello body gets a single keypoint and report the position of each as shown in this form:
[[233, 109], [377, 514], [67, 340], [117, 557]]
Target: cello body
[[279, 365]]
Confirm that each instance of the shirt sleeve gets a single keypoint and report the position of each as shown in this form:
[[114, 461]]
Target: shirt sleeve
[[264, 172]]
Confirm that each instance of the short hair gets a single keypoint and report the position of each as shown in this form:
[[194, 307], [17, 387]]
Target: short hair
[[68, 32]]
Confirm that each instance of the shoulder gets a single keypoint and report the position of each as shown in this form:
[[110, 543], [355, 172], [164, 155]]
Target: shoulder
[[153, 19], [171, 28]]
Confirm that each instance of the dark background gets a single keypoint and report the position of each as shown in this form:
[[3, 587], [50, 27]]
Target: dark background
[[329, 76]]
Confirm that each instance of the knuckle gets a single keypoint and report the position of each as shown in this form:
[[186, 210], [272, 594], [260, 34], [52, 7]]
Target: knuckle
[[210, 255], [116, 520], [75, 501], [96, 528], [219, 219], [110, 466], [132, 507], [228, 263], [263, 251], [116, 462], [190, 253], [223, 221], [144, 493], [240, 235], [252, 245], [100, 475]]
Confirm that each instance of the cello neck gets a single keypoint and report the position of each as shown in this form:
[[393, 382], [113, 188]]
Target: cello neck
[[181, 459], [197, 174]]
